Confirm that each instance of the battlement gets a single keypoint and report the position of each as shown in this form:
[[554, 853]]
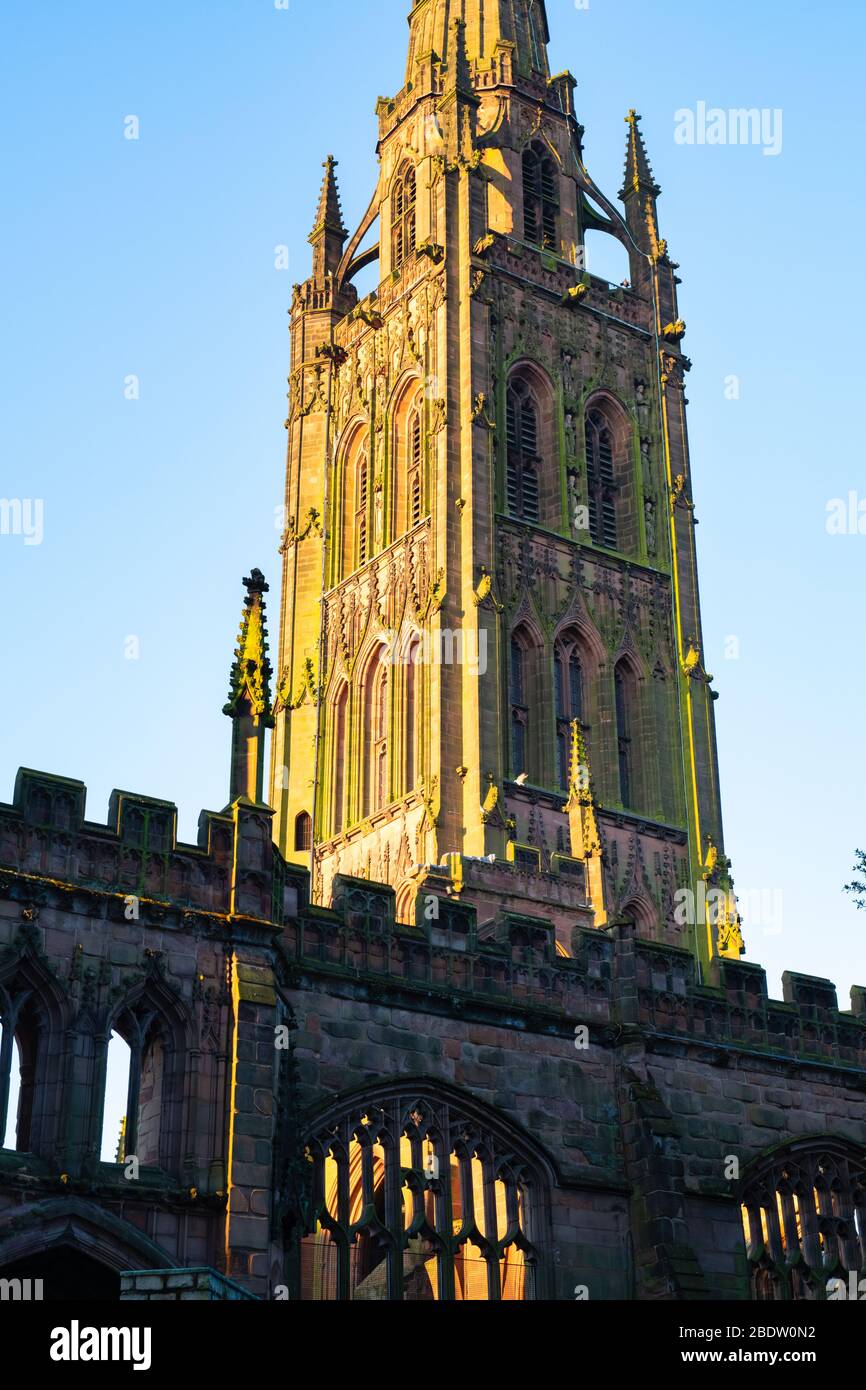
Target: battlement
[[233, 867], [512, 968]]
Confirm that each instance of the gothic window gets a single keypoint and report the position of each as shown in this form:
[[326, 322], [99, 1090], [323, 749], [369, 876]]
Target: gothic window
[[143, 1073], [540, 196], [303, 833], [11, 1071], [520, 714], [14, 1119], [804, 1219], [625, 687], [522, 442], [362, 553], [420, 1198], [340, 755], [601, 480], [32, 1027], [376, 735], [412, 659], [568, 692], [402, 218], [133, 1064], [414, 504], [115, 1105]]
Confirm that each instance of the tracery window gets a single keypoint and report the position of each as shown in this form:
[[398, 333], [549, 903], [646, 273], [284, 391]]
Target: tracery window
[[420, 1198], [522, 416], [568, 693], [403, 218], [804, 1219], [601, 479]]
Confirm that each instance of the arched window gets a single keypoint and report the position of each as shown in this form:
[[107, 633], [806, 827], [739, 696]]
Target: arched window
[[143, 1099], [625, 687], [519, 704], [32, 1028], [362, 493], [340, 755], [118, 1067], [416, 1197], [522, 415], [303, 833], [412, 659], [376, 695], [414, 489], [568, 693], [601, 480], [402, 218], [540, 197], [12, 1073], [804, 1219]]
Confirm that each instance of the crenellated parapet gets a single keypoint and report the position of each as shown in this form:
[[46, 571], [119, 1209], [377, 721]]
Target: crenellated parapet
[[233, 869], [512, 969]]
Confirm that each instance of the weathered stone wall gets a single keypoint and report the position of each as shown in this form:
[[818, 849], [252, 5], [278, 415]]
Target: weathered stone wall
[[265, 1022]]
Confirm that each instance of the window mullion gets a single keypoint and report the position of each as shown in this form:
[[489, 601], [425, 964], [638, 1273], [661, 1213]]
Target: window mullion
[[8, 1038]]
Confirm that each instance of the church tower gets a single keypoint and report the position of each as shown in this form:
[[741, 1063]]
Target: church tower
[[491, 667]]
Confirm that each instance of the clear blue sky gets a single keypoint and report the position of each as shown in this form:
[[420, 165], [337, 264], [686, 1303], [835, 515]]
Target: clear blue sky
[[156, 258]]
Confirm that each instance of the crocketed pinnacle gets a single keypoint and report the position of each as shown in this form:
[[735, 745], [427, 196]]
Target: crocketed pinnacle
[[638, 174], [250, 681], [329, 217]]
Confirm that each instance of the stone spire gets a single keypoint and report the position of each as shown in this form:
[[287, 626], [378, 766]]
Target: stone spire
[[640, 190], [638, 174], [328, 236], [249, 703], [491, 27]]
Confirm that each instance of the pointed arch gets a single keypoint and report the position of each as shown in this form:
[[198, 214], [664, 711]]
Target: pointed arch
[[610, 475], [351, 507], [628, 729], [155, 1023], [531, 484], [377, 1224], [411, 716], [27, 1230], [34, 1018], [524, 677], [640, 909], [803, 1208], [540, 196], [573, 671], [408, 456], [403, 212], [375, 693], [303, 833], [339, 756]]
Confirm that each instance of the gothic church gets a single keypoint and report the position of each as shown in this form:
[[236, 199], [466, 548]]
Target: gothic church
[[448, 1003]]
